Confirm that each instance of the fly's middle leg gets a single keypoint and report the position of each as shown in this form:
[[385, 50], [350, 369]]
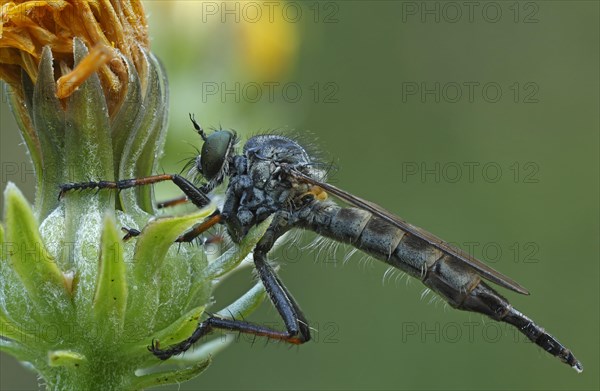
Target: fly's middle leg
[[297, 329]]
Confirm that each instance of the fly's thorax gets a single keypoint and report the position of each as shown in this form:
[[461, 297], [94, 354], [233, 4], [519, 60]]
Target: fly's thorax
[[260, 184], [276, 148], [265, 156]]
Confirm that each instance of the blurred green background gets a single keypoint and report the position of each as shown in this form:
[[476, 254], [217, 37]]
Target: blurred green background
[[477, 122]]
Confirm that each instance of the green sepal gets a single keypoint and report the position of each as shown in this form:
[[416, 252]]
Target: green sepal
[[176, 332], [130, 140], [28, 87], [88, 145], [150, 119], [30, 259], [66, 358], [157, 98], [110, 297], [125, 123], [49, 122], [181, 282], [22, 112], [20, 305], [150, 252], [234, 256], [2, 252], [168, 377]]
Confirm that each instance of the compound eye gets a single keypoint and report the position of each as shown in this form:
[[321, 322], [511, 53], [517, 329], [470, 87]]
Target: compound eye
[[214, 153]]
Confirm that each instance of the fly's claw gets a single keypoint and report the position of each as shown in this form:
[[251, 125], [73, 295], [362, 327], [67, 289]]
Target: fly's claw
[[154, 348], [130, 233], [64, 189]]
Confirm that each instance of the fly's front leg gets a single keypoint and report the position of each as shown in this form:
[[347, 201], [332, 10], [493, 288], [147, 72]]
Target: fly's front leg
[[297, 329], [193, 193]]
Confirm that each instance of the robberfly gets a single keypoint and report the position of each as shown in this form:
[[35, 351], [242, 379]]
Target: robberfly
[[273, 175]]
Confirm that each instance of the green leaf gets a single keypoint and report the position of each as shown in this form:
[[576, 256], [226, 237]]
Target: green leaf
[[150, 251], [168, 377], [110, 298], [30, 259], [234, 256]]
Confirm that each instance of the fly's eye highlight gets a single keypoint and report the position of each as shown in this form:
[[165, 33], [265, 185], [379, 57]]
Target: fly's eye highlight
[[214, 153]]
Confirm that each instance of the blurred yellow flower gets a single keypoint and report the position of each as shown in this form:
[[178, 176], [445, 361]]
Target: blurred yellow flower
[[269, 45]]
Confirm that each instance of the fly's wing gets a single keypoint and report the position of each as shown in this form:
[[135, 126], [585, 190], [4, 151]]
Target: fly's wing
[[482, 269]]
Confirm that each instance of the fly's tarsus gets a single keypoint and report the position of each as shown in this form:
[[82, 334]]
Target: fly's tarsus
[[215, 323]]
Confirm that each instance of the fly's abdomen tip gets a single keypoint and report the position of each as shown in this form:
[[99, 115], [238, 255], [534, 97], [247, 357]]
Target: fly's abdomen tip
[[573, 362]]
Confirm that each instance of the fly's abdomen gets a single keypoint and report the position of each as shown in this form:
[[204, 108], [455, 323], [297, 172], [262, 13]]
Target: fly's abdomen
[[442, 273], [375, 237], [449, 277]]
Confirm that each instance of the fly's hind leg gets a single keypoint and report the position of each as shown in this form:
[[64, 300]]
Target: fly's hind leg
[[297, 329]]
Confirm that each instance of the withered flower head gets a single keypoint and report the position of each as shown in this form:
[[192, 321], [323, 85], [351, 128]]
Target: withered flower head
[[26, 27]]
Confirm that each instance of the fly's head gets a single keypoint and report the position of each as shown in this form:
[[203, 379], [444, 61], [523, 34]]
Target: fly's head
[[216, 154]]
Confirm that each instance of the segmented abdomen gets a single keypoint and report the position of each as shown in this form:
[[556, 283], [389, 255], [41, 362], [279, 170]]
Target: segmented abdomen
[[441, 272], [450, 277]]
